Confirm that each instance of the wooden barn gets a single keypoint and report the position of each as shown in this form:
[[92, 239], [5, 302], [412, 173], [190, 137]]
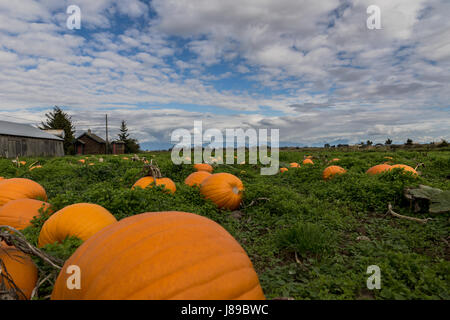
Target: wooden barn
[[90, 143], [23, 140]]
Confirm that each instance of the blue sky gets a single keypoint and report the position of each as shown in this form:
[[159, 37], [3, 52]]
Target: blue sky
[[311, 69]]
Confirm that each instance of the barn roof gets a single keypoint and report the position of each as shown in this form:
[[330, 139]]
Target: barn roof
[[24, 130], [92, 136]]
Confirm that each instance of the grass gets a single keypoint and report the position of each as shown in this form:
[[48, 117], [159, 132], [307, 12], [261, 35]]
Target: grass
[[336, 228]]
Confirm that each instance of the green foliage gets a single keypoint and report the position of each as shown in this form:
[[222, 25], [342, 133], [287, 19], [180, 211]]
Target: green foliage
[[297, 211], [306, 238]]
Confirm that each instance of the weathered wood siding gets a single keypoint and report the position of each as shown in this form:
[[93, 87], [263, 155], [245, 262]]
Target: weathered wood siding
[[14, 146], [92, 147]]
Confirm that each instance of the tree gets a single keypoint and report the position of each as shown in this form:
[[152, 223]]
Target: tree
[[57, 119], [131, 145], [123, 135], [409, 142], [369, 143], [327, 145], [388, 142]]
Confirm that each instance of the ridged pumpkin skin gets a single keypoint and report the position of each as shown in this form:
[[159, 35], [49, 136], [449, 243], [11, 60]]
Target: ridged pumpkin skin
[[20, 188], [19, 213], [161, 256], [81, 220], [331, 171], [308, 161], [197, 178], [380, 168], [224, 189], [145, 182], [203, 167], [20, 267], [405, 168], [294, 165]]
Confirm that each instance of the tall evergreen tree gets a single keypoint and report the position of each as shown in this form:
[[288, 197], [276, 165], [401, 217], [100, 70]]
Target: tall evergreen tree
[[123, 135], [57, 119], [131, 145]]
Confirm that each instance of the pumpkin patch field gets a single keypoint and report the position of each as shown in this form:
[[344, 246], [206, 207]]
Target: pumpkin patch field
[[166, 231]]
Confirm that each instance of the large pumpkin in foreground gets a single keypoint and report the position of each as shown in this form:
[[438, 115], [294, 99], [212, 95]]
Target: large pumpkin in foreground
[[21, 269], [20, 188], [148, 182], [19, 213], [378, 169], [196, 178], [224, 189], [161, 256], [81, 220]]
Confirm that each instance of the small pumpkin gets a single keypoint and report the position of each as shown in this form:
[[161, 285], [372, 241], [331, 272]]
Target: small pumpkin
[[380, 168], [19, 213], [335, 160], [203, 167], [283, 170], [35, 167], [20, 188], [294, 165], [308, 161], [153, 177], [404, 167], [81, 220], [21, 269], [331, 171], [161, 256], [224, 189], [82, 160], [196, 178], [148, 182]]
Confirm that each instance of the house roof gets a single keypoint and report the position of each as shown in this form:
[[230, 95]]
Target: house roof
[[24, 130], [93, 136], [118, 142]]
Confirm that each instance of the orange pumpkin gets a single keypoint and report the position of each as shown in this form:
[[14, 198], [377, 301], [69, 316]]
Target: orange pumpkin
[[380, 168], [294, 165], [308, 157], [81, 220], [197, 178], [203, 167], [331, 171], [308, 161], [1, 179], [20, 188], [82, 160], [21, 268], [35, 167], [19, 213], [161, 256], [405, 168], [145, 182], [224, 189], [283, 170], [335, 160]]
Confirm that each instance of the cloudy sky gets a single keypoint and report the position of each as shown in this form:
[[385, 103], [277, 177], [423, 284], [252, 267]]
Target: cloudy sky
[[309, 68]]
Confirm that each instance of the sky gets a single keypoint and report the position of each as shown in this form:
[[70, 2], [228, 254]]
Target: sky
[[311, 69]]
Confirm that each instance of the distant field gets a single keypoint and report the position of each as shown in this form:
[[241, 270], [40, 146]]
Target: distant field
[[307, 238]]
